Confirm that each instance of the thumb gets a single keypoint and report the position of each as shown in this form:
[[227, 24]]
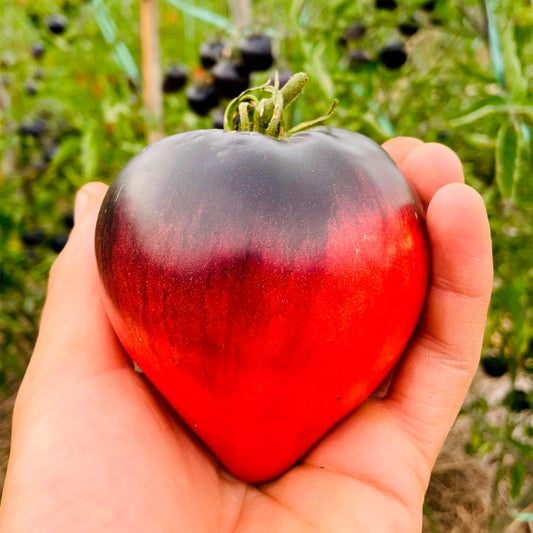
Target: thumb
[[88, 201], [75, 335]]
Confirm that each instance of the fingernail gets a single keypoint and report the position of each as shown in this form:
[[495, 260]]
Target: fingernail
[[80, 205]]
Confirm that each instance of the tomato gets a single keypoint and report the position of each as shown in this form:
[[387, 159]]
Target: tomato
[[265, 286]]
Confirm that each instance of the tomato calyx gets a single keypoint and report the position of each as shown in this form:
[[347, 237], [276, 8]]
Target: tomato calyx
[[265, 115]]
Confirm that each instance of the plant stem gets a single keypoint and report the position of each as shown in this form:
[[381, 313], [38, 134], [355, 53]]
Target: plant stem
[[151, 68], [266, 115], [241, 12]]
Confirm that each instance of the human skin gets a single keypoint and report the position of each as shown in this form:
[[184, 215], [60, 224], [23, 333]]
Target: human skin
[[95, 448]]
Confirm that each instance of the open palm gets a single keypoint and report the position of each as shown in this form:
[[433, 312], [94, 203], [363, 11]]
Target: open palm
[[96, 448]]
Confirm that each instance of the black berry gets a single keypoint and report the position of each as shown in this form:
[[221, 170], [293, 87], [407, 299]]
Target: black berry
[[230, 79], [409, 28], [202, 98], [354, 32], [429, 6], [30, 87], [284, 77], [211, 53], [386, 4], [68, 220], [175, 79], [26, 130], [33, 129], [39, 126], [33, 237], [517, 400], [40, 165], [495, 365], [57, 24], [58, 242], [37, 50], [256, 53], [393, 56], [356, 58], [50, 153]]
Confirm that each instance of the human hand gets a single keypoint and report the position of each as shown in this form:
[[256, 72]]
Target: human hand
[[96, 448]]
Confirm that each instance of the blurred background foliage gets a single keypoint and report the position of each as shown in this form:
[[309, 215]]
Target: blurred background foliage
[[459, 72]]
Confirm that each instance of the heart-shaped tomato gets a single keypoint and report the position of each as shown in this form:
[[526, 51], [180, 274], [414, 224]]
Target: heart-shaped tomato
[[265, 286]]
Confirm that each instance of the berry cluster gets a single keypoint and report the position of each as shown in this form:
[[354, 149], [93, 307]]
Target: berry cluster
[[56, 242], [57, 25], [224, 73], [40, 136], [496, 365], [40, 133], [394, 54]]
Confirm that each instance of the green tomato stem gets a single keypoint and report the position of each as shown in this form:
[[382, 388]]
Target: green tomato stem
[[244, 122], [306, 125], [294, 88], [266, 115]]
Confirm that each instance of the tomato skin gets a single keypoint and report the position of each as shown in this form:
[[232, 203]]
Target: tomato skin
[[266, 287]]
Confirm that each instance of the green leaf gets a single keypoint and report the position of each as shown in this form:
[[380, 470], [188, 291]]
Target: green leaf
[[504, 53], [525, 449], [203, 14], [524, 517], [517, 475], [478, 443], [524, 187], [121, 52], [517, 304], [506, 158], [89, 152], [514, 77], [526, 133], [124, 58], [478, 114], [496, 55], [371, 121], [68, 150], [317, 68], [479, 140], [295, 11], [488, 110], [104, 20]]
